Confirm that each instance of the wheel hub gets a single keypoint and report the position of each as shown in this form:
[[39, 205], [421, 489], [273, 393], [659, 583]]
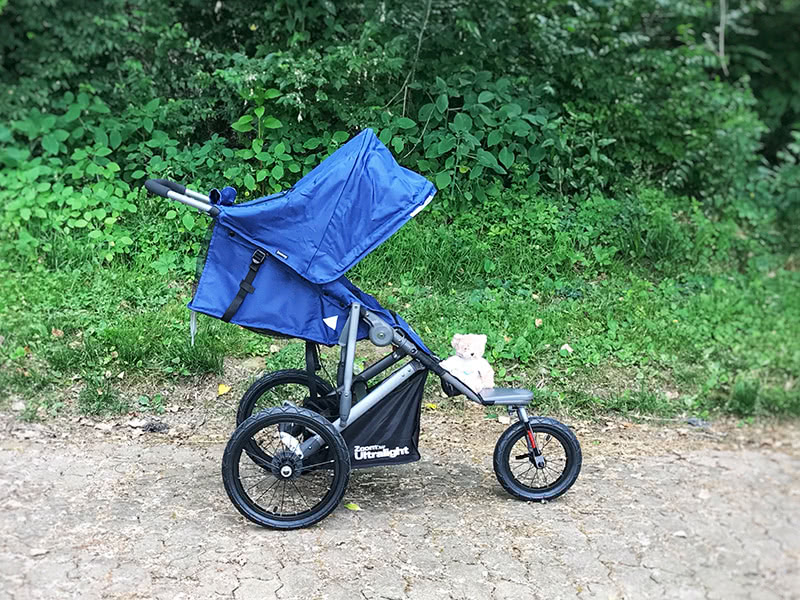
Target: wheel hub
[[286, 465]]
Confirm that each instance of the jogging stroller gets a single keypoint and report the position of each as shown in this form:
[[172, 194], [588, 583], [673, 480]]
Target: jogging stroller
[[277, 265]]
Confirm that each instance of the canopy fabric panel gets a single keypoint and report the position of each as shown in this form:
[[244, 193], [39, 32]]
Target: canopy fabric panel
[[281, 302], [337, 214]]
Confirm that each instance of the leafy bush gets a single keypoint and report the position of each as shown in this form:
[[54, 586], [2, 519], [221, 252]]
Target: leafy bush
[[576, 146]]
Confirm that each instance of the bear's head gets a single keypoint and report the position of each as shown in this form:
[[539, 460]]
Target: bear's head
[[469, 345]]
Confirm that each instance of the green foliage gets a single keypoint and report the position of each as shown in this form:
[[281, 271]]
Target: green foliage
[[599, 164], [99, 396]]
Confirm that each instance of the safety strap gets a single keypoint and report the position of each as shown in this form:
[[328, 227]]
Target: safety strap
[[245, 286]]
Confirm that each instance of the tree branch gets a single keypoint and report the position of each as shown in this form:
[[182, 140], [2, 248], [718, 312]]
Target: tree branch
[[723, 18]]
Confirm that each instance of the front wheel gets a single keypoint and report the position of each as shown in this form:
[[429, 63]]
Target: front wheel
[[539, 463], [280, 486]]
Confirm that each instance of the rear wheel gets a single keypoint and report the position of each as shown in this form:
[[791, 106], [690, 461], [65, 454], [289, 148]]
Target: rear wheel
[[290, 385], [541, 474], [280, 487]]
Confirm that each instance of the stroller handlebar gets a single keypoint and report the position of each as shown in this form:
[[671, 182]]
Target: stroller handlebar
[[175, 191], [161, 187]]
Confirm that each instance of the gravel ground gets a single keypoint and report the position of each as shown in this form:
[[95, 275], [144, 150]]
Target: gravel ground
[[103, 510]]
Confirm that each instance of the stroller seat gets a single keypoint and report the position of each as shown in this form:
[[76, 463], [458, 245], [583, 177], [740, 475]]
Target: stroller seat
[[507, 396]]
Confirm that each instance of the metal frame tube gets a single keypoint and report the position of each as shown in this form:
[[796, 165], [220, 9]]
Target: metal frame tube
[[380, 366], [345, 399], [194, 203], [198, 196]]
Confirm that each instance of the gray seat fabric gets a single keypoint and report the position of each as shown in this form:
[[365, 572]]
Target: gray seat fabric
[[507, 396]]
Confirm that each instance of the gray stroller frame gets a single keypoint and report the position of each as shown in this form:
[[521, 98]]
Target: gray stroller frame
[[306, 436]]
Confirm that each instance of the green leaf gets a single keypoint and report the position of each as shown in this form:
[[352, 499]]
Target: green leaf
[[152, 105], [447, 144], [443, 179], [488, 265], [272, 123], [462, 122], [102, 151], [352, 506], [115, 139], [277, 171], [487, 159], [72, 113], [537, 154], [50, 144], [147, 122], [485, 96], [512, 109], [441, 103], [271, 93], [80, 223], [406, 123], [94, 234], [113, 167], [535, 119], [494, 137], [245, 123], [100, 137], [249, 182], [25, 213], [257, 145], [280, 149], [312, 143], [125, 240], [171, 214], [138, 174], [398, 143], [506, 157], [188, 221], [261, 175], [259, 111], [340, 136]]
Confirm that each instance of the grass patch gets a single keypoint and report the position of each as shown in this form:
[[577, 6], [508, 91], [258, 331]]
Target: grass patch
[[99, 396], [700, 344]]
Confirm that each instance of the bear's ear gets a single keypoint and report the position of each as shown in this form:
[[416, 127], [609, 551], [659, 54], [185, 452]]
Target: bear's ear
[[455, 340]]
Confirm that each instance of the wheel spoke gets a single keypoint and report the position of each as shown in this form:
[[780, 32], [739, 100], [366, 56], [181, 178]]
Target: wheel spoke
[[272, 479], [524, 469], [265, 491]]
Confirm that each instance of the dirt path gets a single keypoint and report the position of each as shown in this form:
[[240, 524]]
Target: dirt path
[[672, 513]]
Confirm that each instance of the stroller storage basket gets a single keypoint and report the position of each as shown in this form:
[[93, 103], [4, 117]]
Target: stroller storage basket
[[388, 433]]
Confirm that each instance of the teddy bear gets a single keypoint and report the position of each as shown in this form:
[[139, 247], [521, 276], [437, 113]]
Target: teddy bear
[[468, 364]]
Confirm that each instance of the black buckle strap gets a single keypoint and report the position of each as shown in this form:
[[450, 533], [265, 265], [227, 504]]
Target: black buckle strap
[[246, 284]]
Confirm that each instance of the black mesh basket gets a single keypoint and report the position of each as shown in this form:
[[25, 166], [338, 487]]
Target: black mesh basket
[[388, 433]]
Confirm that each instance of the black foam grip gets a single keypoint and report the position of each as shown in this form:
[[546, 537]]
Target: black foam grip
[[160, 187]]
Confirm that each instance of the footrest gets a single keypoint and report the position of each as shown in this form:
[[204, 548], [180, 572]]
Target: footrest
[[507, 396]]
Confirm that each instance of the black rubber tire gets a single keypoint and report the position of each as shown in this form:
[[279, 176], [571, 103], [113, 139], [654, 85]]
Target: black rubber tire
[[517, 431], [264, 384], [241, 439]]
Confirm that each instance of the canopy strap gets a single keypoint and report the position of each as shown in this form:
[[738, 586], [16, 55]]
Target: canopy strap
[[245, 286]]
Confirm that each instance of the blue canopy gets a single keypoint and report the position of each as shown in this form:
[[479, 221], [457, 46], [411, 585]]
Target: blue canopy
[[337, 214], [312, 234]]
